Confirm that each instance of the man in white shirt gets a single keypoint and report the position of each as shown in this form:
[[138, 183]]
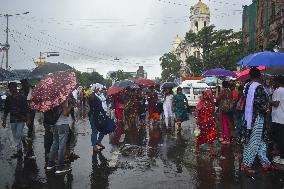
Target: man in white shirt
[[278, 119]]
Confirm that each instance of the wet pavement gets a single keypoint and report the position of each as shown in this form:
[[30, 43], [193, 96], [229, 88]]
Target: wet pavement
[[148, 157]]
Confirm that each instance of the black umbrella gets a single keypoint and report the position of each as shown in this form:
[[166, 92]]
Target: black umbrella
[[47, 68], [168, 85]]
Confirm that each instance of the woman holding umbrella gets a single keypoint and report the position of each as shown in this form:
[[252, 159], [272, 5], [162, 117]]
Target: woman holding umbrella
[[180, 105]]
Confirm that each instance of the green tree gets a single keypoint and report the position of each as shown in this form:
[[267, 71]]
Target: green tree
[[170, 67], [120, 75], [86, 79], [218, 49]]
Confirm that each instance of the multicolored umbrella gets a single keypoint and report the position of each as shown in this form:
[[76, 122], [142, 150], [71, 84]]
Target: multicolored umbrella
[[219, 72], [266, 58], [145, 82], [53, 90], [244, 75]]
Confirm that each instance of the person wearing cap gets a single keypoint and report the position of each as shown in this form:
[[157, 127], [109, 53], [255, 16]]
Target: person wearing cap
[[96, 111]]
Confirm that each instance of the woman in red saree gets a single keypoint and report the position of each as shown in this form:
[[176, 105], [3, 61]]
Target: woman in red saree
[[205, 110]]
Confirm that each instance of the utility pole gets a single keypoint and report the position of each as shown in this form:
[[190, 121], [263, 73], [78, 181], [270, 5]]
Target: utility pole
[[6, 46], [7, 40]]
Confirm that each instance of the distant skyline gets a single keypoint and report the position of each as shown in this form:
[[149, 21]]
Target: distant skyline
[[92, 33]]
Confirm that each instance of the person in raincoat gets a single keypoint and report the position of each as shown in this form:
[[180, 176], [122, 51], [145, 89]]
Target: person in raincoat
[[180, 106]]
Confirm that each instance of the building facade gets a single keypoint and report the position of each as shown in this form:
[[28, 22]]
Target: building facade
[[199, 18], [263, 24]]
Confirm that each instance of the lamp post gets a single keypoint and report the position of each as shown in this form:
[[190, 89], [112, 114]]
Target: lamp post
[[6, 46], [48, 54]]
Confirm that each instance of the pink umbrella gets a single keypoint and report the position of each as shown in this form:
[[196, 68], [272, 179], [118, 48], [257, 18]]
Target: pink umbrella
[[244, 75], [53, 90]]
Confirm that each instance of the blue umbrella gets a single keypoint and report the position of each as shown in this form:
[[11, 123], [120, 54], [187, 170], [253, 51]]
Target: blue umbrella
[[219, 72], [265, 58]]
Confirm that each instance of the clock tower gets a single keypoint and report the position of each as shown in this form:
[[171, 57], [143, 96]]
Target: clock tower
[[199, 16]]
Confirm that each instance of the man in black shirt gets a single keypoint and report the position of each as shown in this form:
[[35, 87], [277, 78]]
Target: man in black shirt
[[16, 105]]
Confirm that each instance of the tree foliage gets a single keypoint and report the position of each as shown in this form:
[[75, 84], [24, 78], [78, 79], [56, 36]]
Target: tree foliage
[[219, 49], [170, 67], [86, 79]]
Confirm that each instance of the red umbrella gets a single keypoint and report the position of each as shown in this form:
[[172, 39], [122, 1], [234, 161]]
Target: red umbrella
[[114, 90], [53, 90], [146, 82], [244, 75]]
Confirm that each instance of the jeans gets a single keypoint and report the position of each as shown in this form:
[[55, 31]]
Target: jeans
[[94, 136], [17, 131], [60, 136]]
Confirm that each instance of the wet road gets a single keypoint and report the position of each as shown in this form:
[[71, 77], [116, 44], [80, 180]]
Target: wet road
[[147, 158]]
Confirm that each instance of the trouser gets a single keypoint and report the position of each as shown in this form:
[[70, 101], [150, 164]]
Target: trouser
[[94, 136], [225, 125], [256, 146], [48, 139], [17, 132], [60, 136], [30, 126], [168, 113], [278, 137]]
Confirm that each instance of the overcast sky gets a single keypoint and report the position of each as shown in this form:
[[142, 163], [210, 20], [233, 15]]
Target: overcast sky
[[91, 33]]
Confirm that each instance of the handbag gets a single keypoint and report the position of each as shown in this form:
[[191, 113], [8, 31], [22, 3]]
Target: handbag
[[109, 127], [100, 122]]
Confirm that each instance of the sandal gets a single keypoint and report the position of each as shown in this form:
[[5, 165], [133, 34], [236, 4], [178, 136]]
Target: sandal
[[247, 169]]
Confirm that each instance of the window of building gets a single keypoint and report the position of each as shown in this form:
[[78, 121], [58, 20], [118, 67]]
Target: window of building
[[198, 54], [205, 24], [196, 25]]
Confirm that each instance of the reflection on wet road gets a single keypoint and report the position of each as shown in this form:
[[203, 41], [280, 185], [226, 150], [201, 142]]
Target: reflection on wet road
[[148, 157]]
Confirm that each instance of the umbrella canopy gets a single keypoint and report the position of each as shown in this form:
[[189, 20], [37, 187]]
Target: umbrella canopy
[[112, 91], [168, 85], [53, 90], [219, 72], [123, 83], [145, 82], [265, 58], [244, 75], [274, 70], [47, 68]]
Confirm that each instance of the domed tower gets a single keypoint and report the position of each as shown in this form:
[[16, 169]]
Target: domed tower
[[199, 16], [176, 43]]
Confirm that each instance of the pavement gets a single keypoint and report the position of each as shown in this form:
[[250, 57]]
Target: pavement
[[146, 157]]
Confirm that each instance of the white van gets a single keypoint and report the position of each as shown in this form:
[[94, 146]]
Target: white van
[[193, 91]]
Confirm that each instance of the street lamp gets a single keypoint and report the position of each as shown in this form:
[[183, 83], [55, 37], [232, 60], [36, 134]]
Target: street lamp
[[48, 54], [6, 46]]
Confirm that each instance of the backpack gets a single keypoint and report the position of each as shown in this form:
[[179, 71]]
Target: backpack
[[52, 116]]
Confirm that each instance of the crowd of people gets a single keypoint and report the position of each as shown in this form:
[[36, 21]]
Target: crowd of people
[[249, 114]]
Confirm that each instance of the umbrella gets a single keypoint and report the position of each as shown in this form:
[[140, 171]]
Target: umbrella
[[119, 86], [219, 72], [53, 90], [112, 91], [47, 68], [265, 58], [244, 75], [274, 70], [168, 85], [145, 82], [123, 83]]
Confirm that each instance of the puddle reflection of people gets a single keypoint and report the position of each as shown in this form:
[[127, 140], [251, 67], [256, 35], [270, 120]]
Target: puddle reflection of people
[[100, 171], [26, 174], [59, 181]]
